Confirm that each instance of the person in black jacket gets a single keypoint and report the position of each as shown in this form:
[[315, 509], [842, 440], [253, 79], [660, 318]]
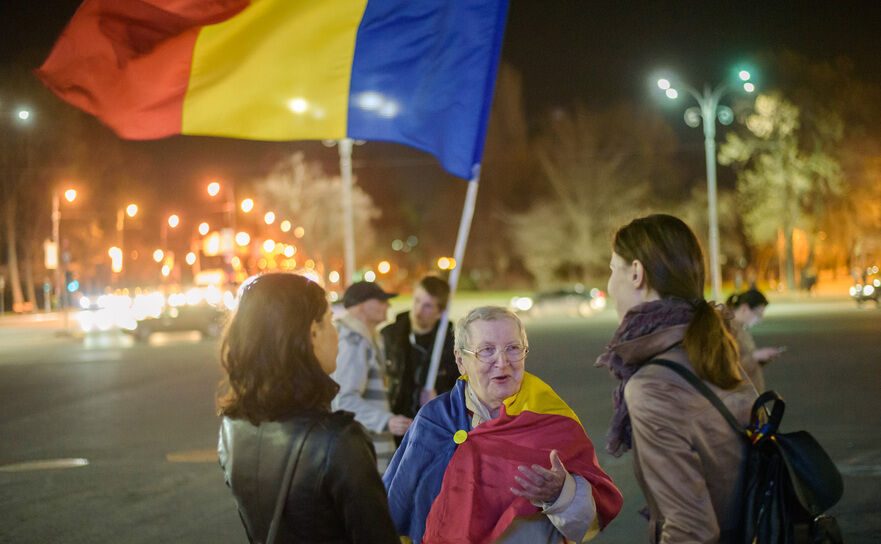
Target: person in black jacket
[[409, 342], [277, 353]]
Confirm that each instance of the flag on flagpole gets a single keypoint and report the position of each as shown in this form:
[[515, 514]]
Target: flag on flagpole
[[420, 73]]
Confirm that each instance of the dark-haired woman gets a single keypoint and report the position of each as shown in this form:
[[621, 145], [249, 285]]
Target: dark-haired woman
[[687, 459], [747, 309], [277, 353]]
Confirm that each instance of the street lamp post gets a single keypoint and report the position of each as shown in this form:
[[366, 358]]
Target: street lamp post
[[707, 112]]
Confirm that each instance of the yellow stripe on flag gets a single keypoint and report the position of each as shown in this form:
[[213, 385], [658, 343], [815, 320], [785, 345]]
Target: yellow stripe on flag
[[279, 70], [536, 396]]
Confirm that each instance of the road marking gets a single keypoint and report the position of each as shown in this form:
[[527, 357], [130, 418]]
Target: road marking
[[46, 464], [860, 470], [193, 456]]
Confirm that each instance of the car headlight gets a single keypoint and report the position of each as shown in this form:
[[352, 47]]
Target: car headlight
[[521, 303], [868, 290]]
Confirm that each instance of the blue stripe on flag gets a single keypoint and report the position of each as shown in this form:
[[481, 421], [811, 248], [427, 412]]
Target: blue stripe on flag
[[423, 75]]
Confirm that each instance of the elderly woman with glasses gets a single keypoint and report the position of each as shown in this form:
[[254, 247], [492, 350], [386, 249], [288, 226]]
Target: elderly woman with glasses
[[500, 458]]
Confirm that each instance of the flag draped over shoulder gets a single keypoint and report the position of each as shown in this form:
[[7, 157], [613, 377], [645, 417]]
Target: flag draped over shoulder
[[441, 491], [418, 73]]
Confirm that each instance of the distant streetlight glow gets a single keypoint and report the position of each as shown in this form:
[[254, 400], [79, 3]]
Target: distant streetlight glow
[[243, 238], [298, 105], [166, 270], [204, 228], [115, 259], [672, 94], [268, 245], [269, 218], [370, 275], [191, 258], [247, 205], [749, 87], [131, 210], [334, 276], [384, 267], [299, 232], [24, 114], [663, 84], [70, 195], [158, 255], [173, 220], [744, 75], [285, 225], [289, 251], [213, 188]]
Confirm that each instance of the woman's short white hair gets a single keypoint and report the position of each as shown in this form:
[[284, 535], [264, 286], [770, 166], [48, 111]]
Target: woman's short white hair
[[486, 313]]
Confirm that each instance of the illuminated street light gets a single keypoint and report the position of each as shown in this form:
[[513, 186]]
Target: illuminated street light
[[370, 276], [383, 267], [334, 276], [173, 220], [269, 218], [285, 225], [247, 205], [289, 251], [115, 259], [158, 255], [268, 245], [131, 210], [299, 232], [24, 114], [213, 188], [204, 228], [707, 112], [70, 195], [243, 238], [191, 258]]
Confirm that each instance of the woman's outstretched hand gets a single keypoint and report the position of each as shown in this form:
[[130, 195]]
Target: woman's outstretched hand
[[538, 484]]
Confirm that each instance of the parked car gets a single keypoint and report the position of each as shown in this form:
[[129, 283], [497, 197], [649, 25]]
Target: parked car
[[571, 302], [205, 318]]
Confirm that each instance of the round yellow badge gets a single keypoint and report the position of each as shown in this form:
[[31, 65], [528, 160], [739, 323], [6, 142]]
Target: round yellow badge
[[460, 436]]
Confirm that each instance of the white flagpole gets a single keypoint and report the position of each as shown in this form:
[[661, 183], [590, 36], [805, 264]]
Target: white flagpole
[[344, 147], [459, 257]]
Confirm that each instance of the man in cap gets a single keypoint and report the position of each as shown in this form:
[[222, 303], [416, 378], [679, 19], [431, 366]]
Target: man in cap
[[360, 368]]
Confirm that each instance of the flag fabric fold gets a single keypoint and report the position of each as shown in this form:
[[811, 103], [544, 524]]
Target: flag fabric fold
[[449, 487], [416, 73]]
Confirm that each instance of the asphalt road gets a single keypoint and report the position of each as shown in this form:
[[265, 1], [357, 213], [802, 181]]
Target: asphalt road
[[143, 419]]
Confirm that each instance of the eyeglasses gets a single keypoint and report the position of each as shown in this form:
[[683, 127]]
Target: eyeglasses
[[489, 354]]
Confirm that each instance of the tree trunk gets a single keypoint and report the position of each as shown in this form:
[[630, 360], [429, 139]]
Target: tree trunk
[[28, 267], [12, 256]]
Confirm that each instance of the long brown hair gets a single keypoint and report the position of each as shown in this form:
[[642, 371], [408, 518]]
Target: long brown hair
[[674, 267], [267, 352]]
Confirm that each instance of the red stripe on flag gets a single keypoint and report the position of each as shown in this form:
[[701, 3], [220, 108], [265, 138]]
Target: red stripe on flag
[[128, 61]]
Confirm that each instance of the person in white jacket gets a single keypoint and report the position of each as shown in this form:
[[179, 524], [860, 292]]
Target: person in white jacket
[[360, 372]]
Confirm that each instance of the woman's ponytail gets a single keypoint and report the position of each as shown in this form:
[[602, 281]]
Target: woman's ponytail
[[711, 349]]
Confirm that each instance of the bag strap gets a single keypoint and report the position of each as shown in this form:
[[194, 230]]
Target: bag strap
[[290, 467], [702, 388]]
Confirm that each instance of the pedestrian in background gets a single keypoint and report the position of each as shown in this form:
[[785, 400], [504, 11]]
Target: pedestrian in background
[[276, 419], [748, 309], [409, 342], [361, 368], [687, 459]]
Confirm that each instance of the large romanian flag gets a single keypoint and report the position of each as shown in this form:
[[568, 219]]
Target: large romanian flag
[[450, 483], [417, 72]]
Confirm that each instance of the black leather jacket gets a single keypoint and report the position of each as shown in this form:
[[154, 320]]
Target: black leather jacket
[[336, 495], [407, 364]]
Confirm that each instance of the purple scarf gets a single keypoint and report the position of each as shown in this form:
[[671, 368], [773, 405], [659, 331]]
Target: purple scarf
[[641, 320]]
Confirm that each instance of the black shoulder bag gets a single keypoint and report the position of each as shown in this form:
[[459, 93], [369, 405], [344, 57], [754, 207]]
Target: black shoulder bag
[[789, 479]]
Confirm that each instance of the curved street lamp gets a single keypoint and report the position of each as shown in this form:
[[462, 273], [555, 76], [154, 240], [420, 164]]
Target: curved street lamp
[[706, 112]]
